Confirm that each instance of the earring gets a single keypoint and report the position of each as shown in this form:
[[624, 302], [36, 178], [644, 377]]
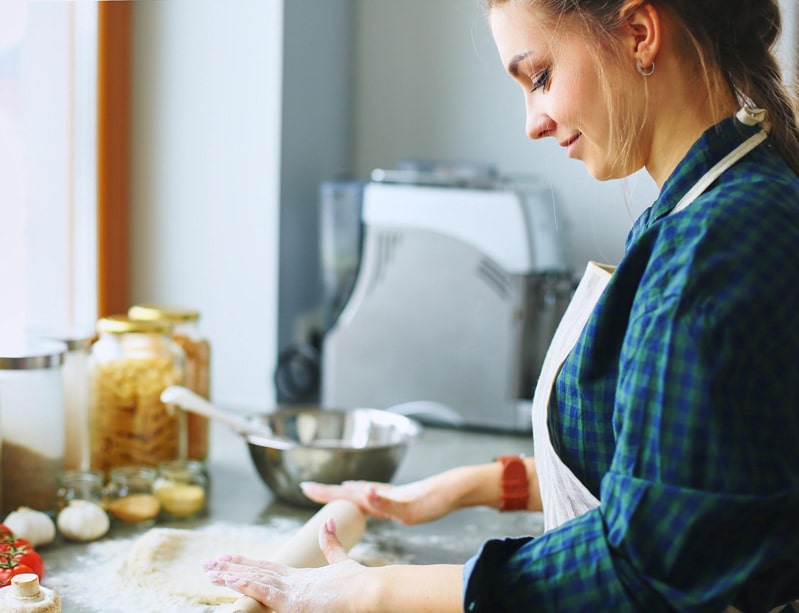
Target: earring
[[640, 68]]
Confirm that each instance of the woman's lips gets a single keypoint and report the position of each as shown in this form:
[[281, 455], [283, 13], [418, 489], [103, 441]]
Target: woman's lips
[[569, 144]]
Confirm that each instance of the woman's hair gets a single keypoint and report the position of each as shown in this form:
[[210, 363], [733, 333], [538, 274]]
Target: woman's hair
[[729, 42]]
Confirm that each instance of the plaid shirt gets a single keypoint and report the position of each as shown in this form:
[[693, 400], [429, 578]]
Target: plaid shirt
[[679, 409]]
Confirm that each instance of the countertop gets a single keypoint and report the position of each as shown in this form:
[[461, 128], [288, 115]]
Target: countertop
[[238, 496]]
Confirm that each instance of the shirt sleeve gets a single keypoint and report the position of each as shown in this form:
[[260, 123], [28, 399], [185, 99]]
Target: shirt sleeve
[[698, 508], [677, 561]]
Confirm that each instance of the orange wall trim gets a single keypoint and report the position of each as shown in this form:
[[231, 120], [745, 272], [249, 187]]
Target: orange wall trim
[[113, 156]]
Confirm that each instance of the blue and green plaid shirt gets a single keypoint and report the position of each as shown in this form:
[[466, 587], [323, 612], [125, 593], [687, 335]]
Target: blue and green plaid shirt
[[679, 410]]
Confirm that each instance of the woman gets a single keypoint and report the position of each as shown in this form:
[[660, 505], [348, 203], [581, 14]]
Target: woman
[[667, 413]]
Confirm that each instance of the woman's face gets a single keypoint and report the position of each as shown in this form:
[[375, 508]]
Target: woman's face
[[562, 90]]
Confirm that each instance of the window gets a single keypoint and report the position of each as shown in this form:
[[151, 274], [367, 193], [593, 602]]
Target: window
[[63, 163]]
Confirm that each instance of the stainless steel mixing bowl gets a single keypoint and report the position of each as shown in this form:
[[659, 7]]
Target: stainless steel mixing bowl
[[328, 446]]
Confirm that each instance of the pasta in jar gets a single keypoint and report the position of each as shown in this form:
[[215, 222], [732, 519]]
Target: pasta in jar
[[130, 365], [186, 333]]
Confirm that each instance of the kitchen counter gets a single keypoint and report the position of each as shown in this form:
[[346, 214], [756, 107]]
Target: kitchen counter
[[238, 496]]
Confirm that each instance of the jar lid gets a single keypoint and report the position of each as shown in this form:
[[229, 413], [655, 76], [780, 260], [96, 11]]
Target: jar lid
[[160, 311], [34, 354], [122, 324]]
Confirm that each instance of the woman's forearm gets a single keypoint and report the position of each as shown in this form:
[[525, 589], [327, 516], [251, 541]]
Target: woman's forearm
[[421, 589], [481, 485]]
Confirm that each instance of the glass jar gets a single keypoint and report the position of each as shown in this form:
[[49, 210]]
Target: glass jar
[[131, 363], [129, 496], [32, 414], [187, 334], [75, 373], [79, 485], [182, 489]]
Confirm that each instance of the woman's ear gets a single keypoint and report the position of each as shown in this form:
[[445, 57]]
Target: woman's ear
[[642, 31]]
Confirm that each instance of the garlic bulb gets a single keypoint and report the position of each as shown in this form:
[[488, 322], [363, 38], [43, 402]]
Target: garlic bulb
[[82, 520], [32, 525]]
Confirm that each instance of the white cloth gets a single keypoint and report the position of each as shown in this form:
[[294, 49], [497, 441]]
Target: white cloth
[[562, 494]]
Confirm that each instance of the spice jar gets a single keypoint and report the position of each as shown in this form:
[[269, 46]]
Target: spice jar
[[129, 495], [187, 334], [79, 485], [131, 363], [25, 595], [182, 489], [32, 414]]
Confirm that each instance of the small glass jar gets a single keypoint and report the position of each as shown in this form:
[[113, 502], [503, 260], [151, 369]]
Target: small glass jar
[[129, 496], [131, 363], [32, 413], [79, 485], [182, 489], [187, 334]]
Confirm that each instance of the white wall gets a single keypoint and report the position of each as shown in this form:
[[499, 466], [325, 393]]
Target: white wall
[[206, 178], [317, 123], [788, 45]]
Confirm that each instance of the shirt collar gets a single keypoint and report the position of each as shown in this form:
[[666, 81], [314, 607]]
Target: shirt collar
[[706, 152]]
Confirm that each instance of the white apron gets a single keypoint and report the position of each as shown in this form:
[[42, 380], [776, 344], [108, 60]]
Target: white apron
[[563, 496]]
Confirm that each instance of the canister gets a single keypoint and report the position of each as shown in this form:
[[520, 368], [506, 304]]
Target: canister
[[75, 373], [32, 414], [130, 364], [188, 335]]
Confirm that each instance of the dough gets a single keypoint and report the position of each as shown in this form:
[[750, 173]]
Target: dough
[[161, 569], [169, 561]]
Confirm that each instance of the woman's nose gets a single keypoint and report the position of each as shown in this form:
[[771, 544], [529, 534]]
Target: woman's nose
[[538, 124]]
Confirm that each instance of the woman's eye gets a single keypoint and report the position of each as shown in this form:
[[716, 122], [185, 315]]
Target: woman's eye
[[540, 80]]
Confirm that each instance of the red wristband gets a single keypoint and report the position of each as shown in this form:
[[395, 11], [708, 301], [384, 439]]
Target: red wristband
[[515, 485]]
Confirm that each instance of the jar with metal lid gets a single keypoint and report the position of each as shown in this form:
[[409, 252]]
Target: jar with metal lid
[[188, 335], [131, 363], [32, 414], [182, 489]]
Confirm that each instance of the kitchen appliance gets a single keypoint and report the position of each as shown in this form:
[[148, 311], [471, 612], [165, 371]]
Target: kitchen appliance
[[459, 288]]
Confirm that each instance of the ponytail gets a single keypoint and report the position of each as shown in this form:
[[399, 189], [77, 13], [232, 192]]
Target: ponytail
[[739, 37]]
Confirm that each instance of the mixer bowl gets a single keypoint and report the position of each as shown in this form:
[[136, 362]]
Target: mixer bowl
[[328, 446]]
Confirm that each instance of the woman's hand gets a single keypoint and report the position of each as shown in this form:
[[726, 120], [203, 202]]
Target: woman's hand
[[292, 590], [344, 585], [420, 501], [409, 504]]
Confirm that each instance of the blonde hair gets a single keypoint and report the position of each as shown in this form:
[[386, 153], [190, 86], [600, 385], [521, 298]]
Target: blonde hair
[[729, 43]]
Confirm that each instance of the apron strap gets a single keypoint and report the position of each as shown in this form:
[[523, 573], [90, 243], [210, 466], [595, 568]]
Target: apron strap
[[747, 116]]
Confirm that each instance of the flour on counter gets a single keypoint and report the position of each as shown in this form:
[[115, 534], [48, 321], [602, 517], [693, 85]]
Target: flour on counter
[[161, 569]]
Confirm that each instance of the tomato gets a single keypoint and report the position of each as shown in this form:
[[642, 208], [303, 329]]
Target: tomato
[[5, 531], [16, 552], [32, 560], [8, 570], [6, 573]]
